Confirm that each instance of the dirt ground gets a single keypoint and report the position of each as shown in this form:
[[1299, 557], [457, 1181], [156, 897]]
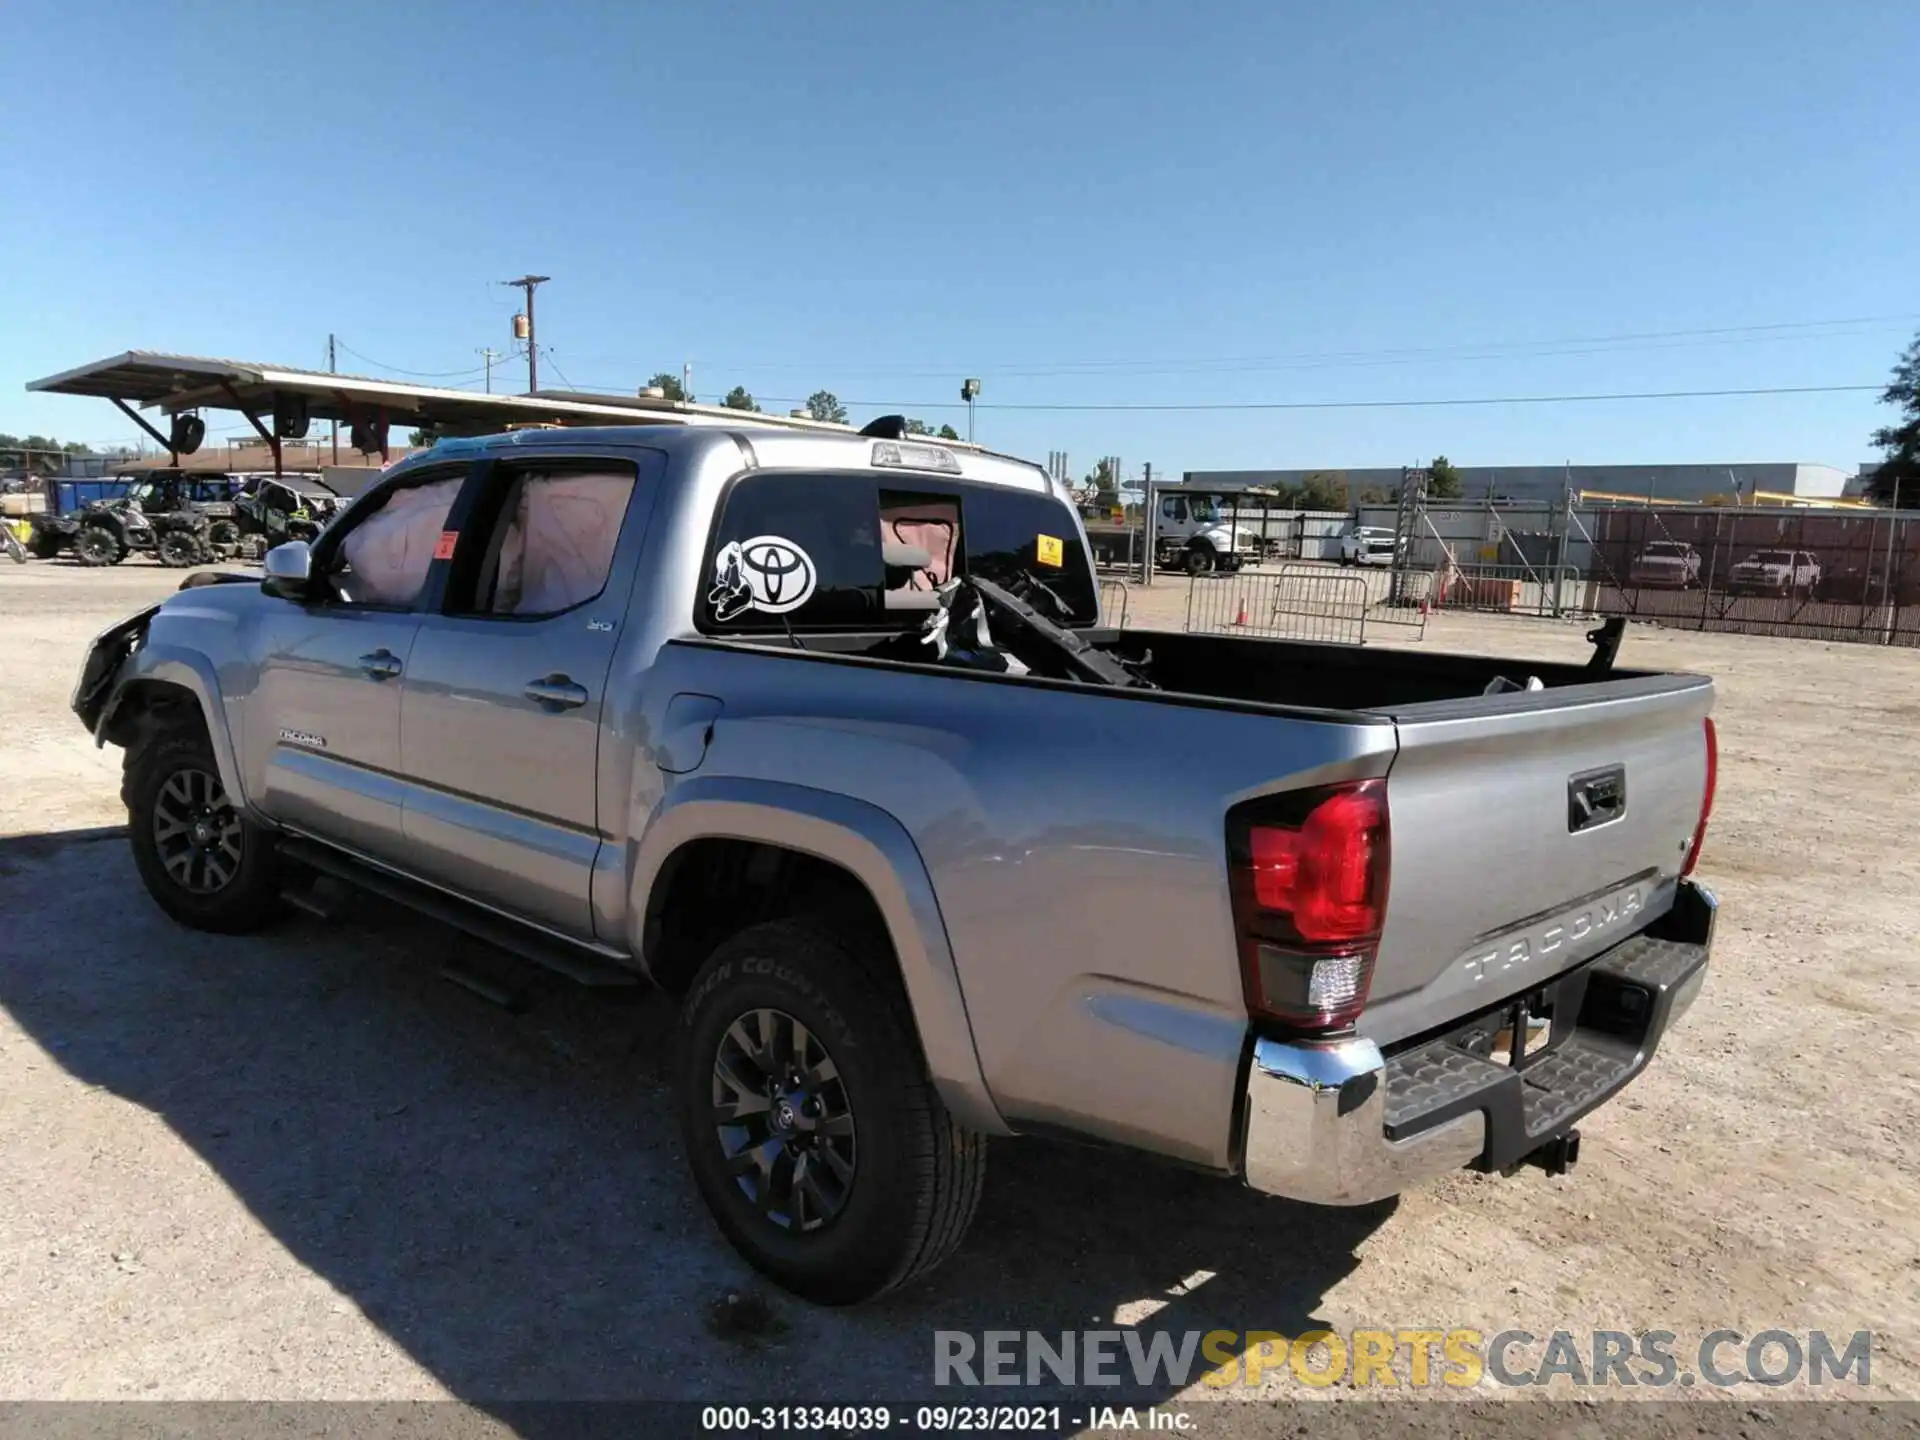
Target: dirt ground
[[301, 1166]]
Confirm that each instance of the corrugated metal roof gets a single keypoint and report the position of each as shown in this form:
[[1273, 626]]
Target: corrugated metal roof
[[157, 380]]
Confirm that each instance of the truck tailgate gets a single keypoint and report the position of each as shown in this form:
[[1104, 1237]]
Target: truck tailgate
[[1530, 832]]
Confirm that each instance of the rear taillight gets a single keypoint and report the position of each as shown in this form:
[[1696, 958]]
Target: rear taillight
[[1309, 886], [1706, 798]]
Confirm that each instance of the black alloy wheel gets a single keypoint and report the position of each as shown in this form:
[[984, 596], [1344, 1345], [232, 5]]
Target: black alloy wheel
[[783, 1120], [197, 833]]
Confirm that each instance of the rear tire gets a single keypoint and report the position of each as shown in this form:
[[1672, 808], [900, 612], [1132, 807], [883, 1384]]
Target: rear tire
[[203, 861], [96, 545], [895, 1195]]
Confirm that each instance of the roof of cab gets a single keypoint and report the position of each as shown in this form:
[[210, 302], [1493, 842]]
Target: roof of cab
[[764, 446]]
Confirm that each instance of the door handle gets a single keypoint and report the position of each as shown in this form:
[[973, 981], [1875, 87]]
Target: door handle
[[557, 692], [380, 665]]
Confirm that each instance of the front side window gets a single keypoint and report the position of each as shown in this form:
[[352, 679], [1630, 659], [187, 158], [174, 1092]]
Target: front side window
[[383, 560]]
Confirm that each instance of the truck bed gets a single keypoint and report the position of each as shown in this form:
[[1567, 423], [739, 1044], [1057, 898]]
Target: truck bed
[[1329, 680], [1496, 885]]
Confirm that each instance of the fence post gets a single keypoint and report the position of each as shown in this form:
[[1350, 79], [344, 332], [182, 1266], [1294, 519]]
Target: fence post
[[1894, 527], [1706, 577]]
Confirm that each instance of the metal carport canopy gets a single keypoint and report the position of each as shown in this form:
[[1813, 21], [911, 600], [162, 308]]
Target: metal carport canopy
[[173, 383]]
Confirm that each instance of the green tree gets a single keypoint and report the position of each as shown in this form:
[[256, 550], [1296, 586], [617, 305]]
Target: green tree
[[1103, 482], [1322, 492], [670, 384], [1899, 472], [1444, 481], [918, 427], [825, 405], [947, 432], [38, 454], [426, 435], [739, 399]]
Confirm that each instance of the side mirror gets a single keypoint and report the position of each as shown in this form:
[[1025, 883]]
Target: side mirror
[[289, 570]]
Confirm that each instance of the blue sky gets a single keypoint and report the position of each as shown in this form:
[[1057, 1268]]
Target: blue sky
[[1093, 203]]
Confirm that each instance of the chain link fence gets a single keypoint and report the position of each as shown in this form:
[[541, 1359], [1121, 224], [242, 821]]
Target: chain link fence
[[1838, 574], [1842, 575], [1818, 574]]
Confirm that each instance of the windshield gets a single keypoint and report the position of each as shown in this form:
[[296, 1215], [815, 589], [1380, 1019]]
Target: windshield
[[1203, 509], [1668, 548], [1773, 557]]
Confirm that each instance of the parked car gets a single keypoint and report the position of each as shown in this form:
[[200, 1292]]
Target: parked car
[[1369, 545], [772, 719], [1775, 572], [1666, 565]]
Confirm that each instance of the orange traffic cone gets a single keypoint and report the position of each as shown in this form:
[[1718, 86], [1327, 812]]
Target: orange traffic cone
[[1241, 618]]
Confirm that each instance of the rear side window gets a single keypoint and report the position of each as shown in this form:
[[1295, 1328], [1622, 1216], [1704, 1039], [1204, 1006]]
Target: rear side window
[[543, 541], [858, 551]]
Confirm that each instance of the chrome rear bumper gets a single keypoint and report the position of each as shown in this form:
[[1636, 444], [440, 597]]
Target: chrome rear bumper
[[1337, 1123], [1316, 1127]]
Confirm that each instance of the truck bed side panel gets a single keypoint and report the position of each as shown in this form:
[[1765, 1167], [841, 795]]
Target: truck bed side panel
[[1076, 841]]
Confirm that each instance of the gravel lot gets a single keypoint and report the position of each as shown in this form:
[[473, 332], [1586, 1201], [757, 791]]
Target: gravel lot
[[301, 1166]]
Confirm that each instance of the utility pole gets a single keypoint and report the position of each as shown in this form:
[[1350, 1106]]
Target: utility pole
[[332, 369], [528, 283], [489, 354], [686, 382]]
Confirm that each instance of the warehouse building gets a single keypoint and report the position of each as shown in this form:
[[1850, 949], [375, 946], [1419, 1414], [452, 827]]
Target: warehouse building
[[1550, 483]]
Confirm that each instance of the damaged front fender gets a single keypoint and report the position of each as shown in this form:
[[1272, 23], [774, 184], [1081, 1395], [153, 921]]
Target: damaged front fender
[[124, 674], [105, 657]]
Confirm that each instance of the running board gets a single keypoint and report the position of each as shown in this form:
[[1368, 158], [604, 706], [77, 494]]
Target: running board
[[576, 962]]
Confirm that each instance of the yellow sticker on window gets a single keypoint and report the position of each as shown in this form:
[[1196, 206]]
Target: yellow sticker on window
[[1052, 552]]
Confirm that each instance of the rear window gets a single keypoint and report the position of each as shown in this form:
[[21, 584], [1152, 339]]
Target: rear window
[[860, 551]]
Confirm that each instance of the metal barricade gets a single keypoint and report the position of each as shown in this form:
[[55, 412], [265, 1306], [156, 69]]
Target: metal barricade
[[1502, 589], [1297, 602], [1113, 602]]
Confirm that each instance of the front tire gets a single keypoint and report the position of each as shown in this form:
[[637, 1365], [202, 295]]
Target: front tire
[[1199, 559], [96, 545], [814, 1135], [178, 549], [203, 861]]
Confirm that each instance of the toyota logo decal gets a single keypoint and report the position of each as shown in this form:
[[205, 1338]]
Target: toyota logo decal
[[768, 573]]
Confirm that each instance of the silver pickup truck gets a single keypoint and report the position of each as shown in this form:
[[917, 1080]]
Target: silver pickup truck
[[822, 734]]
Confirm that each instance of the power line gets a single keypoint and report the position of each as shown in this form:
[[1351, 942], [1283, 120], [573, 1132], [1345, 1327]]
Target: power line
[[556, 367], [910, 406], [1492, 350], [401, 370]]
